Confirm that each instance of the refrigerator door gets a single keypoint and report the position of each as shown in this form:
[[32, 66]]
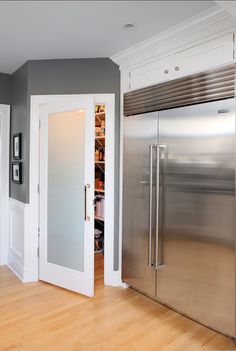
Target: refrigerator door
[[196, 275], [139, 190]]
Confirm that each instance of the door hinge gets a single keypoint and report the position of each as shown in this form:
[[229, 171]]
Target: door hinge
[[39, 123], [38, 189], [38, 251]]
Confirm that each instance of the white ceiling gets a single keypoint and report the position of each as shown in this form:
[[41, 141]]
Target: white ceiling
[[83, 29]]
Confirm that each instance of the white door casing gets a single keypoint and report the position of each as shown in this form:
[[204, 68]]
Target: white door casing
[[111, 277], [58, 274]]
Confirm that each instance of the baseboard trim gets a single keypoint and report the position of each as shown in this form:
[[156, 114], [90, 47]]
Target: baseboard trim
[[124, 285], [16, 267], [115, 279]]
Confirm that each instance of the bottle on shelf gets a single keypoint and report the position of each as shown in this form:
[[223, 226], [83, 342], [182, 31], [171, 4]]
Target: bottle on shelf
[[97, 155], [100, 154], [103, 128]]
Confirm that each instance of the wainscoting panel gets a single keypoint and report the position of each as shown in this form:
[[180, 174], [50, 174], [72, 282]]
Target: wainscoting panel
[[18, 234]]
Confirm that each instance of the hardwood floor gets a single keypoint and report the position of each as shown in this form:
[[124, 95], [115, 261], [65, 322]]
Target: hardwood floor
[[42, 317]]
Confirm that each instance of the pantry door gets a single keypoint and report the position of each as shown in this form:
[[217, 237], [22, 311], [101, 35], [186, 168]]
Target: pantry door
[[66, 218]]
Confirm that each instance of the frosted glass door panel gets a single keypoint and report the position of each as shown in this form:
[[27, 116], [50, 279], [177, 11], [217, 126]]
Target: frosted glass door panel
[[65, 195]]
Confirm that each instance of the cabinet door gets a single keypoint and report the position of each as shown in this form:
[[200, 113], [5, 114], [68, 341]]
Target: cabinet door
[[204, 56], [151, 73]]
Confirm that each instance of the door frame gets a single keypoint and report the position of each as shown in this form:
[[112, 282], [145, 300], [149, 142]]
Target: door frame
[[4, 181], [110, 276]]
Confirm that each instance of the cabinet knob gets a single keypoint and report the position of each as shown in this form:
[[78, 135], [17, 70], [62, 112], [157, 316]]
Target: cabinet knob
[[166, 71], [177, 68]]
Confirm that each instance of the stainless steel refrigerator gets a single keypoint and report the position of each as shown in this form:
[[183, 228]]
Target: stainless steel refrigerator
[[179, 209]]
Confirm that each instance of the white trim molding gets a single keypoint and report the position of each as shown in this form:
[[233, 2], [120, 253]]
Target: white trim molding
[[208, 24], [4, 181], [110, 276], [109, 101]]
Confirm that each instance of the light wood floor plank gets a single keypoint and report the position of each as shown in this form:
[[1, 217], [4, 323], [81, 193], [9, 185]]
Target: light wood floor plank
[[42, 317]]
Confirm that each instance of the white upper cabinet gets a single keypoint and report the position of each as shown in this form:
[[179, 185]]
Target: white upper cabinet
[[204, 56], [151, 73], [194, 59]]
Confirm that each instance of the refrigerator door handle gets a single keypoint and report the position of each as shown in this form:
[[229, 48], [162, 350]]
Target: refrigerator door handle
[[151, 147], [159, 149]]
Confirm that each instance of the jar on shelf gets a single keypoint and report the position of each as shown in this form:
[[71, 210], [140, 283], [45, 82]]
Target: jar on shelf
[[98, 206], [98, 241]]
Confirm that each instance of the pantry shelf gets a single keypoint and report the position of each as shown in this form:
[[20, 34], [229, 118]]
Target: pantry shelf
[[100, 115], [101, 141], [99, 218], [100, 166], [99, 190]]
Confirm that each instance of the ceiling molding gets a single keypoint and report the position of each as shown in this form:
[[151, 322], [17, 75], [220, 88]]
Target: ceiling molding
[[169, 40], [229, 6]]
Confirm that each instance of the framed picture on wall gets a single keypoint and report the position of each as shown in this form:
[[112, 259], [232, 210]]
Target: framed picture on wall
[[17, 146], [17, 172]]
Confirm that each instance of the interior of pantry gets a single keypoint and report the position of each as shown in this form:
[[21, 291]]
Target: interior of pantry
[[99, 187]]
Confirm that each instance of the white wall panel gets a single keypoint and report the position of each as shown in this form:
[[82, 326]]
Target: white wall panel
[[18, 231]]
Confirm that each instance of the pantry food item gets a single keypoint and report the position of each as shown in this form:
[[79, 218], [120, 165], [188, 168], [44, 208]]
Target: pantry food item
[[97, 155], [98, 131], [103, 128], [101, 154], [97, 181], [100, 185]]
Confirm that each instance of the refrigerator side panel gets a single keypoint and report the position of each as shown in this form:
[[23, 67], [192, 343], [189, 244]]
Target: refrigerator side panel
[[197, 273], [139, 133]]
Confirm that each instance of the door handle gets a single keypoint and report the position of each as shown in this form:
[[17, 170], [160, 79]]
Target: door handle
[[151, 147], [86, 215], [159, 148]]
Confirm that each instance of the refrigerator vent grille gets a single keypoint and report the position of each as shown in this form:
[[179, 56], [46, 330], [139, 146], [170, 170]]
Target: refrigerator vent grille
[[202, 87]]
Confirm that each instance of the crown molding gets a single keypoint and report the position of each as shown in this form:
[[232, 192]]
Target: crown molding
[[203, 25]]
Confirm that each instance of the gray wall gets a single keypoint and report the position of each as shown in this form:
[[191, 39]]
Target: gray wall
[[74, 76], [20, 123], [5, 89]]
